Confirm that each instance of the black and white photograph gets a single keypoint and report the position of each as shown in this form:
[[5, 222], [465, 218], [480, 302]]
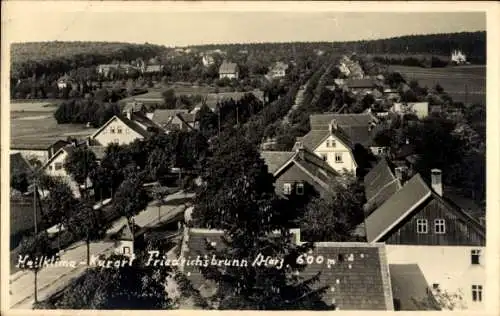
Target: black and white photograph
[[267, 157]]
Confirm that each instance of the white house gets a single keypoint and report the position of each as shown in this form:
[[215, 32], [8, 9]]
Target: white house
[[125, 129], [64, 82], [420, 109], [124, 244], [458, 57], [207, 60], [278, 70], [421, 226], [54, 167], [228, 70]]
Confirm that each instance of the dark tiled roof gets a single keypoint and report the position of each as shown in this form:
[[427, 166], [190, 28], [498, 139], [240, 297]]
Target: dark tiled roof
[[165, 116], [396, 207], [316, 167], [276, 159], [314, 138], [227, 68], [187, 117], [19, 165], [360, 281], [467, 205], [322, 121], [410, 288], [404, 151], [138, 119], [380, 184], [360, 83]]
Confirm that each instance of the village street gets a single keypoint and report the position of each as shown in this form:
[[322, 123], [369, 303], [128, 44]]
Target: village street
[[52, 279]]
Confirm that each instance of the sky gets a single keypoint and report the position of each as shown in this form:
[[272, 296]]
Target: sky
[[196, 24]]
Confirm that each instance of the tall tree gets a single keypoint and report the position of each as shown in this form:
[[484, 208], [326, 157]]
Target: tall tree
[[341, 208], [131, 197], [87, 223], [238, 197], [80, 163]]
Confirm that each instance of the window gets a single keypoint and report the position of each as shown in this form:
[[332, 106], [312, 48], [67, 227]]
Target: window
[[435, 286], [333, 143], [126, 250], [381, 150], [323, 156], [112, 130], [58, 166], [422, 226], [474, 256], [327, 143], [287, 188], [477, 293], [119, 130], [299, 189], [439, 226], [338, 157]]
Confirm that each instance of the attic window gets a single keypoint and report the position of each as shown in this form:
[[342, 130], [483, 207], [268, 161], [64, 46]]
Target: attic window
[[112, 130], [119, 130], [421, 226], [439, 226], [287, 188], [299, 189], [126, 250], [58, 166]]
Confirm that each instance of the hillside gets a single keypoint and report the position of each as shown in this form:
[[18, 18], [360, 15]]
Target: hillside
[[63, 56], [473, 44]]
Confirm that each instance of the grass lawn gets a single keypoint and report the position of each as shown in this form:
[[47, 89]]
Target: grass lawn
[[32, 128], [461, 83]]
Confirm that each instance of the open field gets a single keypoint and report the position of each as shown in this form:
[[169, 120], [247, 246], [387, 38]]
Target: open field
[[36, 106], [462, 83], [32, 128]]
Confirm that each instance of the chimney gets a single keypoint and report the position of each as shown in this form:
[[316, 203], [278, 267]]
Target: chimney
[[436, 182], [129, 114], [333, 126]]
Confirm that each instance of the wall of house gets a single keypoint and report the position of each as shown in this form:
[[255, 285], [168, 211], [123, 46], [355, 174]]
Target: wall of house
[[61, 173], [448, 266], [120, 244], [348, 161], [41, 154], [111, 134], [293, 174], [458, 231], [228, 75]]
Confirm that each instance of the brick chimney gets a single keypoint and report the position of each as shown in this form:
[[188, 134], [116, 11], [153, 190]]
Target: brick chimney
[[436, 181], [332, 126]]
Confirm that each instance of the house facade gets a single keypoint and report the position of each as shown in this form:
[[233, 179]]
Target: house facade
[[125, 129], [39, 152], [278, 70], [420, 109], [420, 227], [299, 173], [228, 70]]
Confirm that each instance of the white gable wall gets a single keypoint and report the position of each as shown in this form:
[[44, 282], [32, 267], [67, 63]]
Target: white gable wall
[[337, 148], [56, 169], [117, 132], [448, 266]]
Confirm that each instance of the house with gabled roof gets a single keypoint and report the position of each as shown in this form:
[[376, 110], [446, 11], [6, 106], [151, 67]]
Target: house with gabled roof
[[333, 137], [164, 117], [54, 167], [228, 70], [420, 226], [124, 129], [299, 172], [356, 275]]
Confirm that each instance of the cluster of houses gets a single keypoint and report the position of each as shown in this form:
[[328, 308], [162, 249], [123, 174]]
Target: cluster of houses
[[420, 241]]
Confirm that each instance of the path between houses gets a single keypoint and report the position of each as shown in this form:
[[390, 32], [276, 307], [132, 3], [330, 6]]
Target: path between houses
[[53, 279]]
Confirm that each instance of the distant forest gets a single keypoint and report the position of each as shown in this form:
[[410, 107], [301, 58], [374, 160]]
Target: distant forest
[[56, 58]]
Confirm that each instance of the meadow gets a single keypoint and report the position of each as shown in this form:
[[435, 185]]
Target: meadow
[[38, 127], [463, 83]]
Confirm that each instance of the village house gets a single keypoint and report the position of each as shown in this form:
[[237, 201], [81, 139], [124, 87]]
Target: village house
[[228, 70], [123, 129], [299, 173], [458, 58], [54, 167], [420, 109], [422, 226], [343, 264], [64, 82], [361, 86], [175, 120], [278, 70], [207, 60], [333, 137], [41, 151]]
